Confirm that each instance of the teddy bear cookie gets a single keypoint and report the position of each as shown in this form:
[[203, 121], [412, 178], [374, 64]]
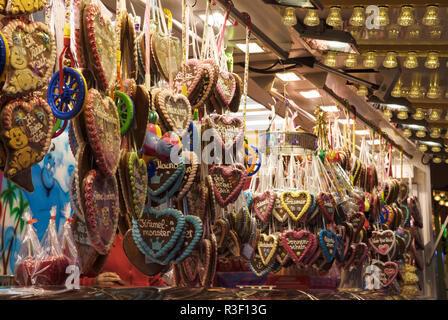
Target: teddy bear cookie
[[27, 128], [32, 56]]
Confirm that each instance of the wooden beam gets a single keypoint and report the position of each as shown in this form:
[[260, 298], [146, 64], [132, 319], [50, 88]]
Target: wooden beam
[[390, 3]]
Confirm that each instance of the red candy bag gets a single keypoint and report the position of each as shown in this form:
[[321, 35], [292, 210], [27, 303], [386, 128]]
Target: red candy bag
[[29, 252], [52, 263]]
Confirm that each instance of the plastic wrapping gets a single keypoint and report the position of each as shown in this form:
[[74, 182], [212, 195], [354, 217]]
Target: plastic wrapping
[[29, 252], [51, 262], [66, 239]]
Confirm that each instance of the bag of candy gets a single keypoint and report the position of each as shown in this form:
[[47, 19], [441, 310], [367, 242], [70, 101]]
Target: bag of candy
[[29, 252], [52, 263]]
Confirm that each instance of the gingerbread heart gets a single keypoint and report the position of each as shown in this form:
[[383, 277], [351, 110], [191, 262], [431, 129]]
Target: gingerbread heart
[[193, 234], [167, 53], [296, 203], [228, 131], [298, 244], [258, 267], [191, 170], [220, 229], [175, 109], [388, 271], [191, 78], [138, 179], [227, 182], [32, 56], [358, 255], [226, 87], [327, 205], [382, 241], [103, 130], [157, 232], [357, 220], [263, 204], [282, 255], [328, 242], [101, 38], [197, 200], [27, 129], [102, 209], [206, 87], [86, 252], [166, 179], [267, 248], [279, 212]]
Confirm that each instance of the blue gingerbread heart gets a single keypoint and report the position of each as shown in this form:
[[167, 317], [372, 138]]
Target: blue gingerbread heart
[[329, 244]]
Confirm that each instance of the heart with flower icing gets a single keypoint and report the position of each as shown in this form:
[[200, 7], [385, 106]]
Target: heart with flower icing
[[296, 204], [32, 56], [298, 244], [103, 130], [263, 204], [101, 37], [227, 182], [388, 271], [382, 242], [102, 209], [267, 247]]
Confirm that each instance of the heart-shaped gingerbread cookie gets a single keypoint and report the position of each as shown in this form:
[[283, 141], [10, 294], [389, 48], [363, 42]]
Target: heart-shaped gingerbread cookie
[[267, 248], [101, 38], [103, 131], [175, 110], [296, 203], [138, 178], [298, 244], [228, 131], [328, 242], [227, 182], [263, 204], [382, 241], [226, 87], [167, 53], [388, 271], [27, 129], [32, 56]]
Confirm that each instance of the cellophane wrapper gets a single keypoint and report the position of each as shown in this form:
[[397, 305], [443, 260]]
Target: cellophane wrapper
[[30, 250], [52, 263], [66, 240]]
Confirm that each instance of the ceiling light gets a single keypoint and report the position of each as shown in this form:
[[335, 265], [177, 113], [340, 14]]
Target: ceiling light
[[362, 91], [330, 59], [370, 60], [396, 91], [436, 149], [435, 32], [414, 31], [216, 19], [310, 94], [402, 115], [311, 18], [432, 143], [253, 47], [351, 61], [362, 132], [446, 203], [437, 160], [434, 115], [388, 114], [383, 18], [416, 91], [334, 17], [397, 107], [435, 133], [329, 108], [421, 134], [407, 132], [423, 147], [406, 17], [442, 202], [393, 32], [437, 198], [411, 61], [419, 114], [415, 127], [391, 60], [432, 62], [358, 18], [288, 76], [431, 17], [289, 18]]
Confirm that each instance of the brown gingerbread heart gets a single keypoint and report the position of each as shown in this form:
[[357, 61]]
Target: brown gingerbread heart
[[175, 109]]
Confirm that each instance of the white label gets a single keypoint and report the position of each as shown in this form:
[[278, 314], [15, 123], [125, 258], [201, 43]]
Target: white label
[[72, 281]]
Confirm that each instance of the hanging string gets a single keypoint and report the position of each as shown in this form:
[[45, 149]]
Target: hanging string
[[205, 33], [147, 23], [246, 69]]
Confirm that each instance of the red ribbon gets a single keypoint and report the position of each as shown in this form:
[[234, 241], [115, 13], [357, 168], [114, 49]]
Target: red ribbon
[[229, 6], [32, 221]]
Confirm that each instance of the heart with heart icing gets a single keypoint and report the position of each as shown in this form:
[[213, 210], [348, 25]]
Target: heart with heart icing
[[388, 271], [267, 247], [101, 37], [227, 182], [27, 129], [357, 220], [327, 205], [102, 209], [32, 56], [298, 244], [328, 242], [157, 232], [263, 204], [226, 87], [103, 130], [167, 53], [382, 241], [138, 179], [296, 204], [175, 110], [228, 131]]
